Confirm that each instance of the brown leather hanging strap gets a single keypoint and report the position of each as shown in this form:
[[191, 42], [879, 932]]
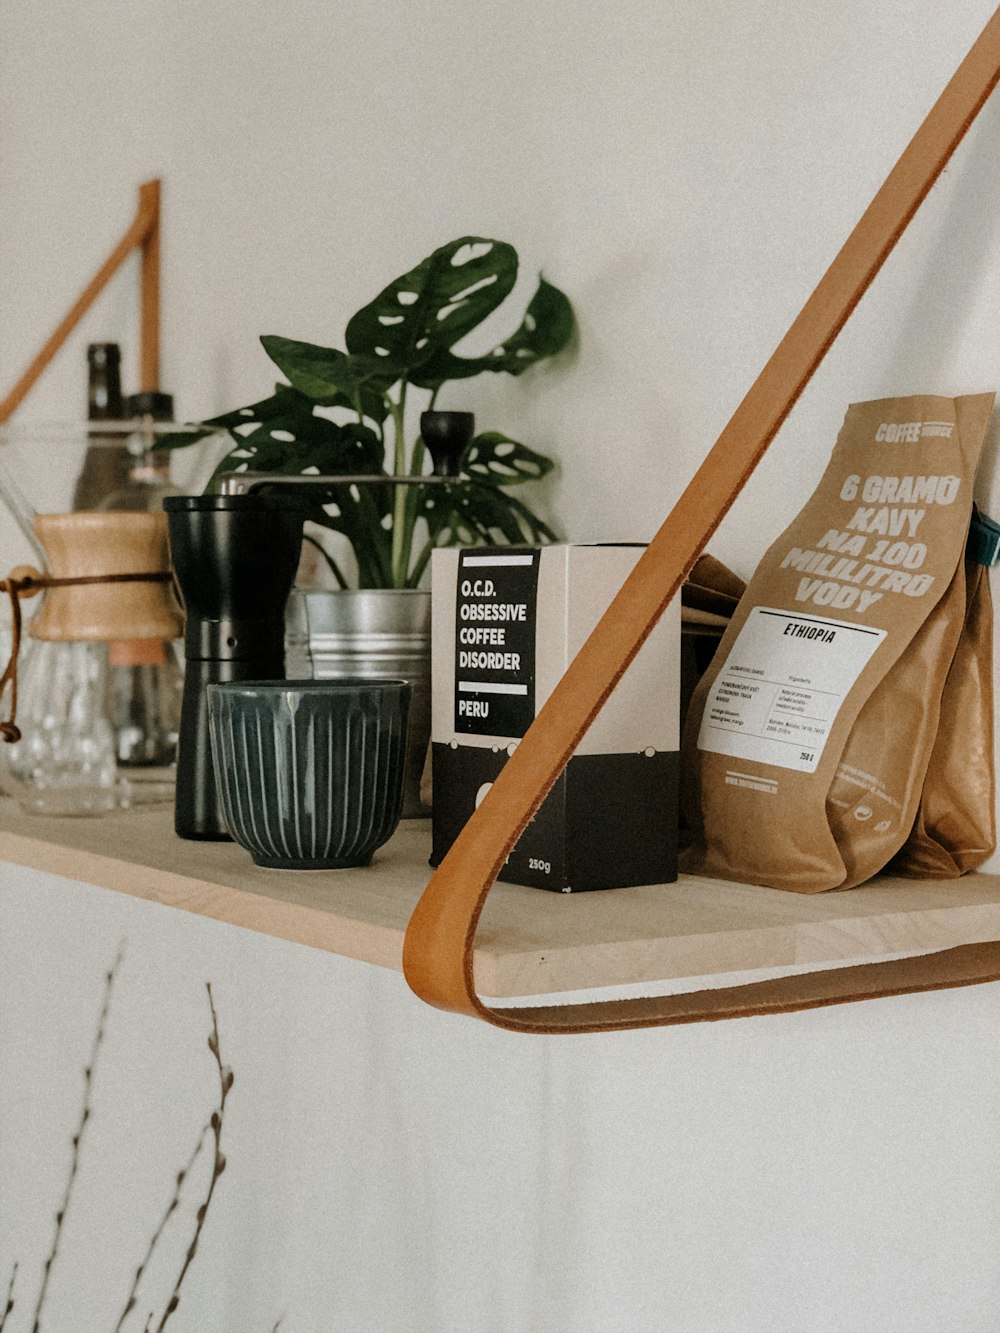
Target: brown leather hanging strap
[[438, 950], [26, 582]]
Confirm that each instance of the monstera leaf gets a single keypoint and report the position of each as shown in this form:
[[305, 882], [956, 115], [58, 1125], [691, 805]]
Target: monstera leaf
[[476, 515], [283, 434], [497, 460], [429, 309], [326, 448], [283, 403], [545, 330], [408, 331], [362, 515], [333, 378], [476, 510]]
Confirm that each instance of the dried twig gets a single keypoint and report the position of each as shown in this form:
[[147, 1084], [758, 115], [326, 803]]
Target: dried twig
[[9, 1303], [168, 1212], [218, 1163], [88, 1079]]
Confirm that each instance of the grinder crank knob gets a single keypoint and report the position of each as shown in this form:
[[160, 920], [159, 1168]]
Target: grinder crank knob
[[447, 436]]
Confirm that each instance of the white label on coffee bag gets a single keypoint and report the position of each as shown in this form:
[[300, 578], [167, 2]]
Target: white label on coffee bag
[[782, 686]]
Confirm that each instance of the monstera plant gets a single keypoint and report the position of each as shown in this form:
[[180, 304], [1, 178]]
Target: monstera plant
[[350, 410]]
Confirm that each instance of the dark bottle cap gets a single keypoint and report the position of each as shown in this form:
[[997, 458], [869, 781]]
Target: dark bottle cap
[[104, 354], [104, 386], [150, 403]]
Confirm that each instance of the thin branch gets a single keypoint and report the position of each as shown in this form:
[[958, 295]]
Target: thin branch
[[169, 1211], [88, 1080], [9, 1303], [218, 1163]]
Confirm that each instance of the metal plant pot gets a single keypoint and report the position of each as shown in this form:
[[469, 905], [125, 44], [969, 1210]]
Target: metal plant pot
[[380, 634]]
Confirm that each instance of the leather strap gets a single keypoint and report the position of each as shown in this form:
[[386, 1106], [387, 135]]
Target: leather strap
[[438, 949], [26, 582]]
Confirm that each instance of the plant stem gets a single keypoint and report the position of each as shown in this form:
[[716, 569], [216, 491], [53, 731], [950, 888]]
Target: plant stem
[[374, 563], [413, 498], [400, 547], [170, 1209], [88, 1081], [421, 563], [9, 1304], [371, 538], [218, 1162]]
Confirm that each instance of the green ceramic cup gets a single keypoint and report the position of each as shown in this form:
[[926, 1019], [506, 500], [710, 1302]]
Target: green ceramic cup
[[309, 772]]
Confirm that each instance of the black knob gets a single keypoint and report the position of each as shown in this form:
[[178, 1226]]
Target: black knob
[[150, 403], [447, 436]]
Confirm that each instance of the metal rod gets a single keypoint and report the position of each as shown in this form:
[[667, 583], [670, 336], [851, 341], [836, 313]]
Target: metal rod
[[47, 432], [245, 483]]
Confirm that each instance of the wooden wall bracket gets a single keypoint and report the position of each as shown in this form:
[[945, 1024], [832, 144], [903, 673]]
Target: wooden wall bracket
[[143, 234]]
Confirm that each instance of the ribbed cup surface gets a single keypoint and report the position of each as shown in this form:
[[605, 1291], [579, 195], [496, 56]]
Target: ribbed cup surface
[[310, 773]]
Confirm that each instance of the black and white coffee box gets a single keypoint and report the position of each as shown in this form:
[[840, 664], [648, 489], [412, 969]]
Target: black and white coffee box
[[507, 622]]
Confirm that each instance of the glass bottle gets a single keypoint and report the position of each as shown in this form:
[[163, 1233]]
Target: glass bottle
[[145, 679], [148, 477], [106, 462]]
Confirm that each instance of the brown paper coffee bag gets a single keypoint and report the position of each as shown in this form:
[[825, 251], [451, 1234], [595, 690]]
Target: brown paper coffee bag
[[955, 827], [809, 737]]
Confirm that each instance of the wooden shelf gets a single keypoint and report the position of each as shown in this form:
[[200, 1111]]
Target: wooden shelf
[[530, 941]]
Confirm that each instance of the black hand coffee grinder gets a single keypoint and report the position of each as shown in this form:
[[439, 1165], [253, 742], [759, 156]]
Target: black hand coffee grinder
[[234, 558]]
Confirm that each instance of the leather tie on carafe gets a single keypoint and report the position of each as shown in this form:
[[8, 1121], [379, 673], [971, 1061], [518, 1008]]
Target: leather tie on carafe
[[24, 581]]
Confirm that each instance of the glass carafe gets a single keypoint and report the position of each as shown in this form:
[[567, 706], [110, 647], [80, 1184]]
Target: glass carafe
[[64, 763], [66, 759]]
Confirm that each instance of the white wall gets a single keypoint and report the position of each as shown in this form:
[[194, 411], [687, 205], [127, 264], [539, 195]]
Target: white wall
[[394, 1169], [684, 172]]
